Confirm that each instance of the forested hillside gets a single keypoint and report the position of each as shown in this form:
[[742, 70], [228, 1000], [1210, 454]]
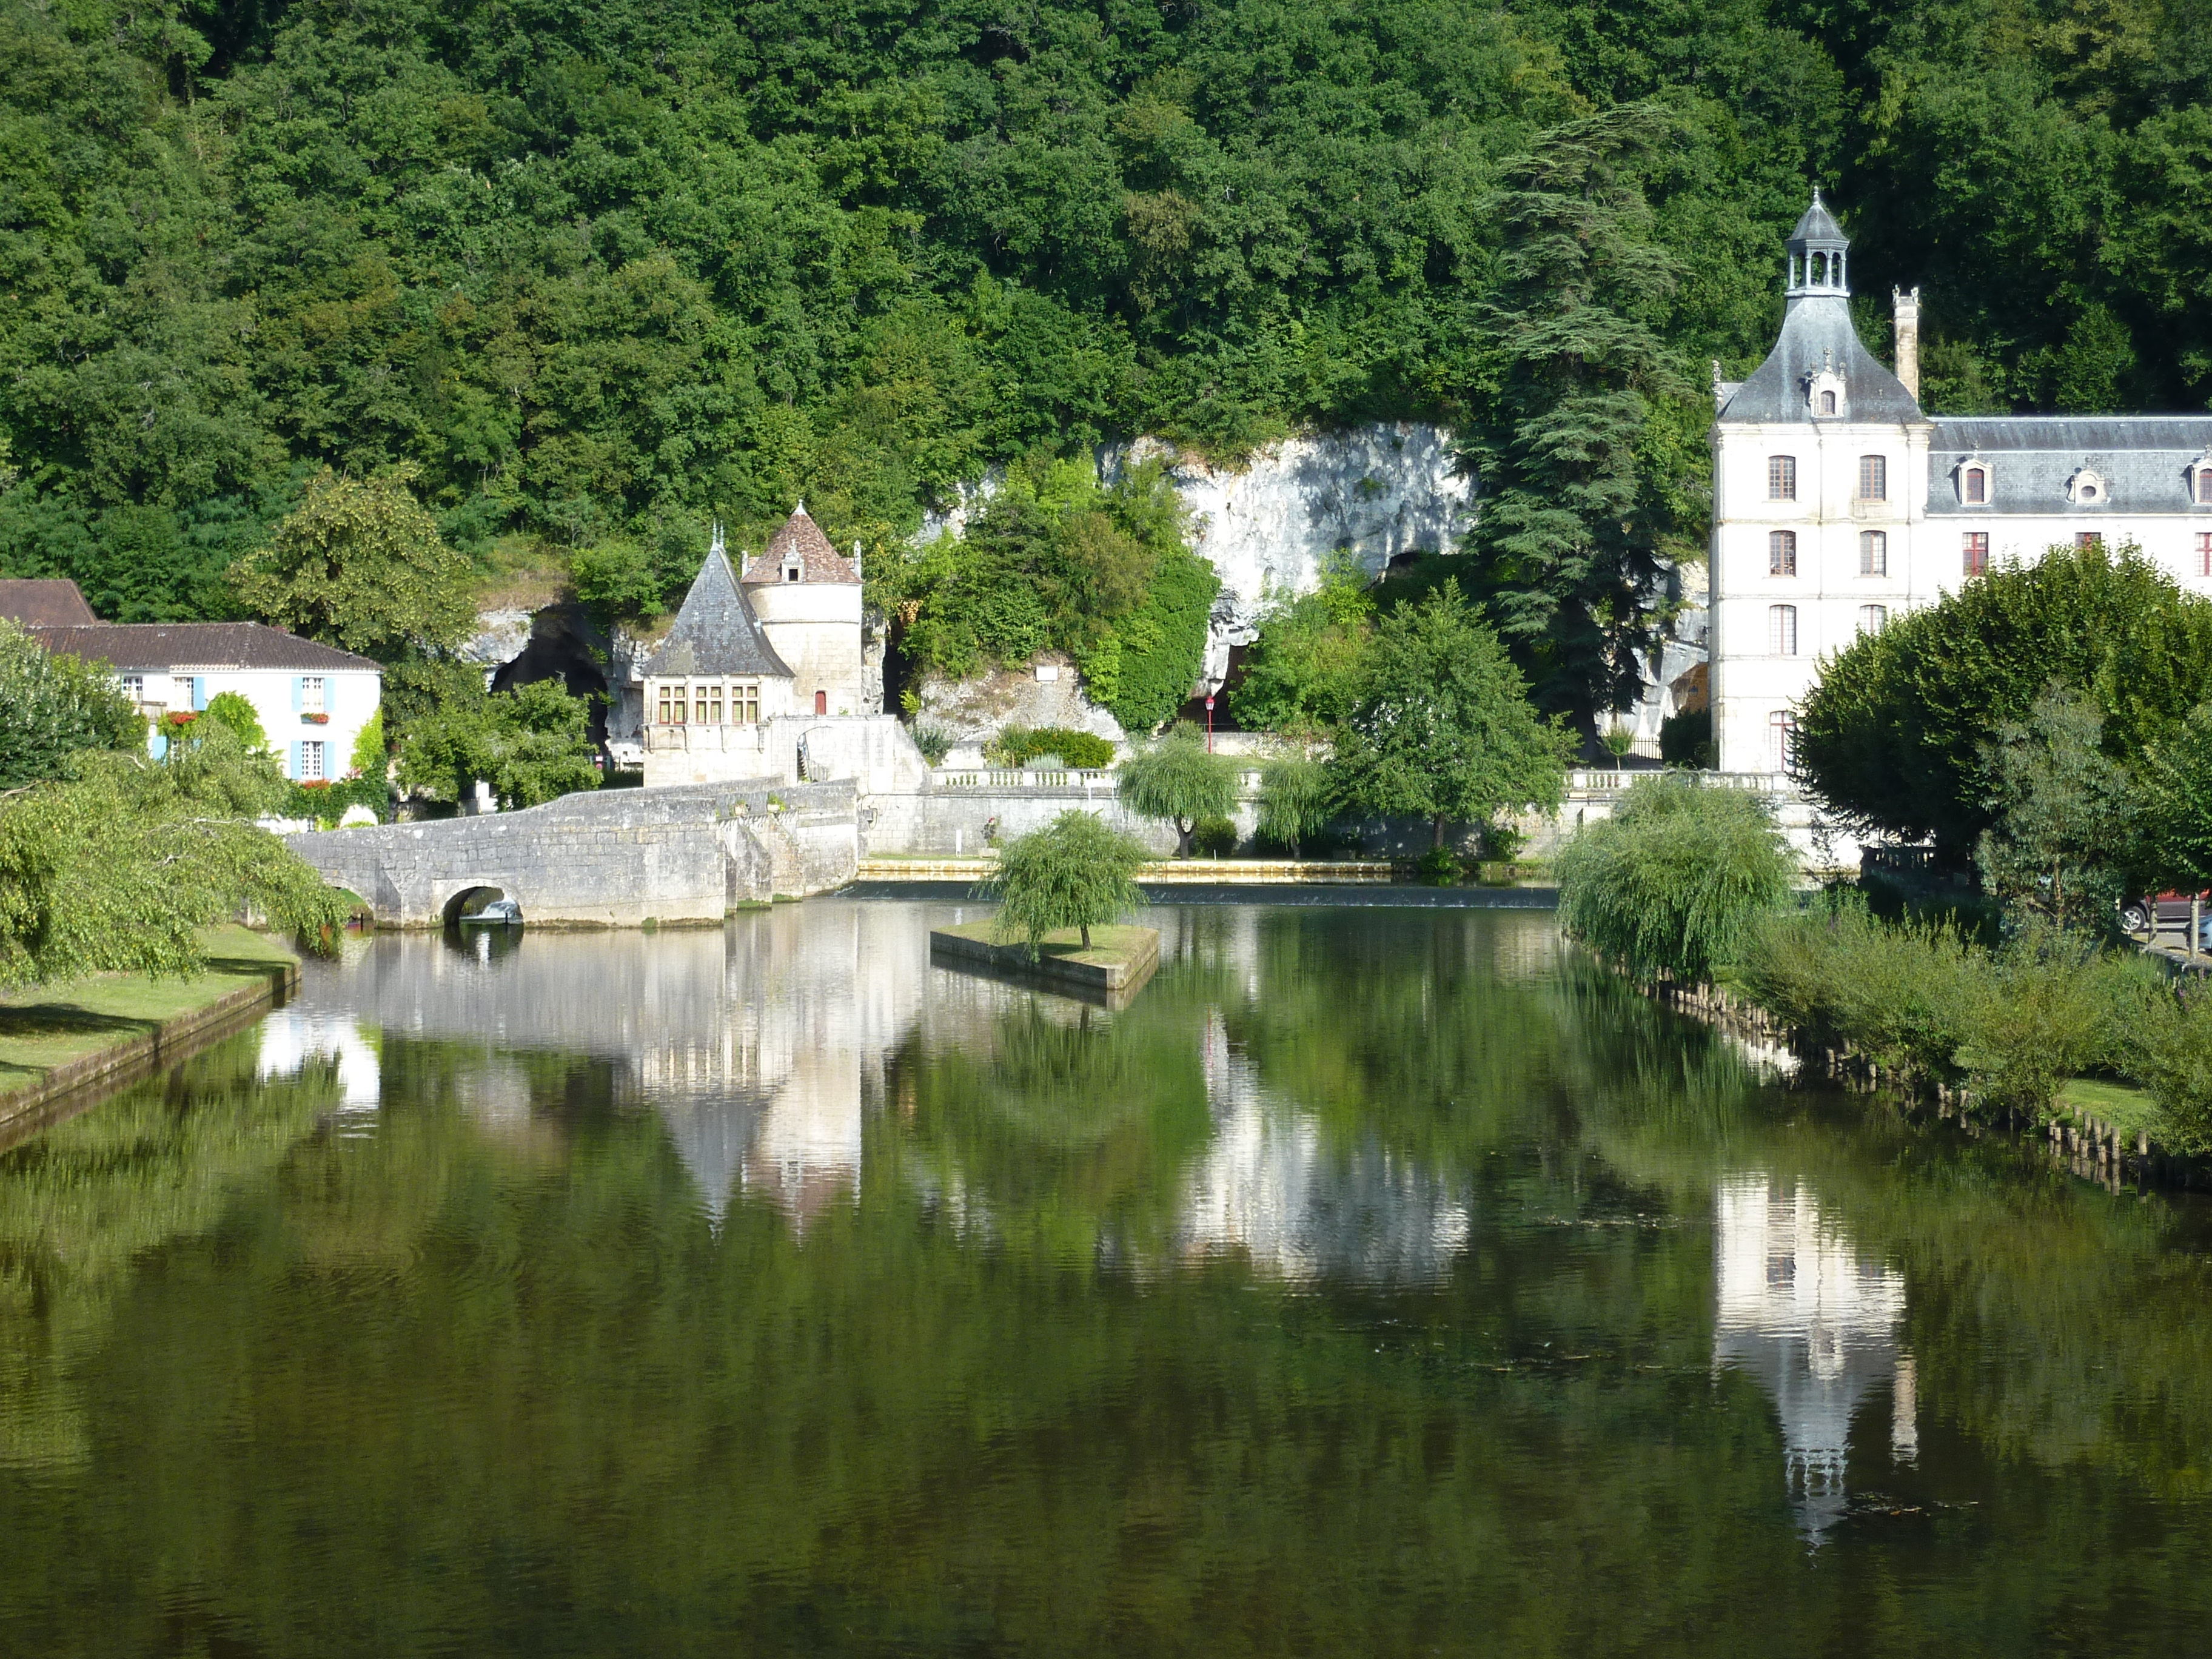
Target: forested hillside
[[597, 271]]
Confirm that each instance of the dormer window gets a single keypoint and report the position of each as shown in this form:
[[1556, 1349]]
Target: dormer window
[[1827, 402], [1975, 480], [1977, 486], [1824, 394], [2086, 488], [2200, 479], [792, 571]]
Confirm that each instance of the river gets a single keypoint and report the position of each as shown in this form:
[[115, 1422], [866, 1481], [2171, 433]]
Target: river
[[1378, 1282]]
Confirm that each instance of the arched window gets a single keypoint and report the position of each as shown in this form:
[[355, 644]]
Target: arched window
[[1820, 270], [1874, 553], [1827, 402], [1974, 554], [2204, 484], [1873, 618], [1781, 740], [1781, 553], [1977, 490], [1782, 477], [1782, 629], [1873, 478]]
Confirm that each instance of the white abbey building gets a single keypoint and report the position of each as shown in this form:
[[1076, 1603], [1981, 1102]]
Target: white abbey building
[[1838, 504]]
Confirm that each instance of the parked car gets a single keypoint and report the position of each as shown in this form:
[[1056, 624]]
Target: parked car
[[2171, 910]]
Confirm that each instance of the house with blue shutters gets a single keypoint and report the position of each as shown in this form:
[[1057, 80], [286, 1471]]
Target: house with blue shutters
[[313, 700]]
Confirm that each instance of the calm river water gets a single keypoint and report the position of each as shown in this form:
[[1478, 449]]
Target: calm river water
[[1381, 1282]]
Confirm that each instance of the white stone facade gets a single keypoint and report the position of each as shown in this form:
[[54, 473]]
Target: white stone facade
[[1838, 504]]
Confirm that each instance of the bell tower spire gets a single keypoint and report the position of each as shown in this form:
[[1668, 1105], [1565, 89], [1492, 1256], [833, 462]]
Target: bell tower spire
[[1818, 255]]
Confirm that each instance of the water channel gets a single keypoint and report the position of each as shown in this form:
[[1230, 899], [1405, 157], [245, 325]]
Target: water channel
[[1379, 1282]]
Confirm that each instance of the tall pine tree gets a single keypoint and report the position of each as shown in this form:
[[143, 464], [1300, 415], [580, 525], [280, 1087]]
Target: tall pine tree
[[1565, 552]]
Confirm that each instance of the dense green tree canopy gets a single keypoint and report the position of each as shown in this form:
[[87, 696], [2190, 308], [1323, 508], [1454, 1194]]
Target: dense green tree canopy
[[359, 564], [1669, 885], [602, 273], [1894, 734], [1444, 729], [530, 744]]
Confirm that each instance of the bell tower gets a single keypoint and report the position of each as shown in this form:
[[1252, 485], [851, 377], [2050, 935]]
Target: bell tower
[[1818, 255]]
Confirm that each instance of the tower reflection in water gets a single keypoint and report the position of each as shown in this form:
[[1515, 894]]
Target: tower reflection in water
[[1816, 1323]]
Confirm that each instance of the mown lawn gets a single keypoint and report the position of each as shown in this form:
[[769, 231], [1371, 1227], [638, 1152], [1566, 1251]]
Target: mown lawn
[[51, 1025]]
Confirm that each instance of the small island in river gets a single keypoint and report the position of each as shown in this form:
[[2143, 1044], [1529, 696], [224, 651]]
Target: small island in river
[[1117, 962]]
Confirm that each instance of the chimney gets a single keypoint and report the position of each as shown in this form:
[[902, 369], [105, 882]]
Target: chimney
[[1905, 311]]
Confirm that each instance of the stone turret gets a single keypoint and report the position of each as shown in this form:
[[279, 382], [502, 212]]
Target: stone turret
[[807, 597]]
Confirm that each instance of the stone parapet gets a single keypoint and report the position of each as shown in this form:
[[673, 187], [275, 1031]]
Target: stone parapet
[[613, 858]]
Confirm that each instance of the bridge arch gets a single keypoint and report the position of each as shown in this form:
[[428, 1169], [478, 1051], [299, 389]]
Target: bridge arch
[[469, 897]]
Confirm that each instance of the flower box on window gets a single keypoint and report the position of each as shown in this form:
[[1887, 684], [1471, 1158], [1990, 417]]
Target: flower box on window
[[316, 720], [179, 718], [315, 783]]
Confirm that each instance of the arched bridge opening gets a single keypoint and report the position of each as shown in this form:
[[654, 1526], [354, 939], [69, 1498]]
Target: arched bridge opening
[[471, 904]]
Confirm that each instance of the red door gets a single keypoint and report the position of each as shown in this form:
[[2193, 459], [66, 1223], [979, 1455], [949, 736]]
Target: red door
[[821, 702]]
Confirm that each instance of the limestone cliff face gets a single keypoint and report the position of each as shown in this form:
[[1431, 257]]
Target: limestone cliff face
[[1375, 492]]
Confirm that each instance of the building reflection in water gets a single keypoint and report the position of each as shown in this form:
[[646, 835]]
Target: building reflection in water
[[764, 1046], [299, 1032], [1817, 1323], [1268, 1189]]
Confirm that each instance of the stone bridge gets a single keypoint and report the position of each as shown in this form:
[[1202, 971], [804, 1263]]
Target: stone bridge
[[609, 858]]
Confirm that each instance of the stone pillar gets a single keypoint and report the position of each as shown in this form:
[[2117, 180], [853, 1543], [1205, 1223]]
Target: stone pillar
[[1905, 310]]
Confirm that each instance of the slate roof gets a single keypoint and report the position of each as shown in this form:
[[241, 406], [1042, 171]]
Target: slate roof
[[2143, 459], [818, 561], [1818, 225], [164, 647], [1817, 332], [716, 632], [45, 604]]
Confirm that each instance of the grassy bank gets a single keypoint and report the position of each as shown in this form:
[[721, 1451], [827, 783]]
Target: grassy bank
[[52, 1027]]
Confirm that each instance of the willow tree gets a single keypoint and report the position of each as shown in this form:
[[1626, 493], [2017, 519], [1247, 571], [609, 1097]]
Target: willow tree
[[1176, 782], [1074, 873], [118, 867]]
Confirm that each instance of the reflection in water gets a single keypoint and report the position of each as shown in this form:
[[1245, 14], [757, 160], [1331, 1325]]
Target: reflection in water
[[293, 1035], [1354, 1291], [1268, 1187], [1800, 1310]]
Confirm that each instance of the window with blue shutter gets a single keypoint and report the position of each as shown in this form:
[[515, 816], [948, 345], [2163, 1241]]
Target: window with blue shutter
[[293, 773], [296, 704], [199, 693]]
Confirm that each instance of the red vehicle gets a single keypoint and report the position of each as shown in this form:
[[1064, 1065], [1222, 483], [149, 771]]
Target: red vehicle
[[2171, 910]]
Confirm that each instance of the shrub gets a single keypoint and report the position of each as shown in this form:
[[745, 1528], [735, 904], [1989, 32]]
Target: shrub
[[230, 709], [326, 803], [1018, 745], [934, 742], [1899, 994], [1074, 873], [1214, 838], [1670, 885], [1439, 867], [2172, 1057], [1686, 739]]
